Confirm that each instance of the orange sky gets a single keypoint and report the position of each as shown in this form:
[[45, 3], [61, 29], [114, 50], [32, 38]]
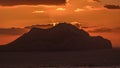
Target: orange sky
[[86, 12]]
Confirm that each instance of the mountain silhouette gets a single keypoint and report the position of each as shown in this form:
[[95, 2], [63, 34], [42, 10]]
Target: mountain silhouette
[[62, 37]]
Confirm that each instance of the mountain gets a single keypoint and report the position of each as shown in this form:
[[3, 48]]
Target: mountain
[[62, 37]]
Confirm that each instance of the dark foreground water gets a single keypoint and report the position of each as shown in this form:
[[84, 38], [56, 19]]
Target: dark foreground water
[[37, 66], [82, 59]]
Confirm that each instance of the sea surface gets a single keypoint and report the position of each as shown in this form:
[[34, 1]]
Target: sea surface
[[108, 58]]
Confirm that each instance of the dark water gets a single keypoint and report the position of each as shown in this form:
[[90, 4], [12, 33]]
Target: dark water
[[83, 59], [37, 66]]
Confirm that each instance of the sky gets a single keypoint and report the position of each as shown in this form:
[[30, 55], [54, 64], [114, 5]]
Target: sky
[[100, 17]]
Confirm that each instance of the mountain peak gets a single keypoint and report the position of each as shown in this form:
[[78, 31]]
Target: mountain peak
[[65, 25], [63, 36], [61, 27]]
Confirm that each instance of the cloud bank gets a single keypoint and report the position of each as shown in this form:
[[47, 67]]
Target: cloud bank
[[31, 2], [12, 31], [105, 29], [112, 6]]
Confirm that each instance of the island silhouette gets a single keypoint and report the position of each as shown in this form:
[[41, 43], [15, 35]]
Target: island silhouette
[[62, 37]]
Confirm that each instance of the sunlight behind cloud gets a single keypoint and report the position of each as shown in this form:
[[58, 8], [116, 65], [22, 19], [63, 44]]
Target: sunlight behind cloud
[[79, 10], [38, 11], [60, 9]]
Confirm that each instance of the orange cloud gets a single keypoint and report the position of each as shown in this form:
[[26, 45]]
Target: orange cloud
[[60, 9], [79, 10], [94, 1], [94, 8], [41, 11]]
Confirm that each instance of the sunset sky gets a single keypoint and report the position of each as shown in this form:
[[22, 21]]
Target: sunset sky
[[100, 17]]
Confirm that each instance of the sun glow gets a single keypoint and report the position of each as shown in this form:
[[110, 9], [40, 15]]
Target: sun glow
[[79, 10], [38, 11], [60, 9]]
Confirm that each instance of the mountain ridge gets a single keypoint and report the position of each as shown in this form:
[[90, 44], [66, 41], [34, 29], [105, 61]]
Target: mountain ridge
[[62, 37]]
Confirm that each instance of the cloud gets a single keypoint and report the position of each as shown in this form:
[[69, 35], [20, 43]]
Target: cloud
[[94, 8], [39, 26], [79, 10], [31, 2], [40, 11], [94, 1], [117, 29], [88, 27], [105, 29], [97, 0], [112, 6], [101, 30], [12, 31], [60, 9]]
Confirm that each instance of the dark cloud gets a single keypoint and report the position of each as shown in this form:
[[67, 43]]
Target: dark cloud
[[117, 29], [87, 27], [12, 31], [31, 2], [101, 30], [39, 26], [112, 6]]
